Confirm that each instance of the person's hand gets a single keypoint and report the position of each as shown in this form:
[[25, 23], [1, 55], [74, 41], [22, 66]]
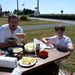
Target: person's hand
[[20, 35], [47, 42], [53, 43]]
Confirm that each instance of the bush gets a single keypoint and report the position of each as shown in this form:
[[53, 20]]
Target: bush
[[23, 18]]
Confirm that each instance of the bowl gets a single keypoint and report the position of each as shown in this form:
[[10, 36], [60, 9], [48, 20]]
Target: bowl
[[17, 50], [11, 40], [29, 48], [43, 54]]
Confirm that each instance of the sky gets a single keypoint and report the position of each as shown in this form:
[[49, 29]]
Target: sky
[[45, 6]]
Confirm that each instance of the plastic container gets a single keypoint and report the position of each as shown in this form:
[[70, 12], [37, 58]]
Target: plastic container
[[43, 54], [37, 45]]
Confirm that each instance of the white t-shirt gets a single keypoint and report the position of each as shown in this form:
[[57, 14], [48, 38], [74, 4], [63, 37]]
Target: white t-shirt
[[65, 41], [6, 33]]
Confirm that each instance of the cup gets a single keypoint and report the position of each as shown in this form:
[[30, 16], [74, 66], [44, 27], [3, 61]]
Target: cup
[[19, 39], [18, 34], [2, 53]]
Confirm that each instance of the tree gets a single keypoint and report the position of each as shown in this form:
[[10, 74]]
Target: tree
[[6, 12], [27, 11]]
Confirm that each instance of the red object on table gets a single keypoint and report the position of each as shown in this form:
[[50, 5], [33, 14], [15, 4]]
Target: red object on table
[[43, 54]]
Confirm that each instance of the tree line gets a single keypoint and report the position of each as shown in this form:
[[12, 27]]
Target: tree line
[[20, 12]]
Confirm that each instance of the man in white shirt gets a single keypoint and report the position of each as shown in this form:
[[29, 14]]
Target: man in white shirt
[[59, 41], [10, 30]]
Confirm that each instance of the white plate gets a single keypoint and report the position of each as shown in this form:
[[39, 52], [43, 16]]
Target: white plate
[[23, 65]]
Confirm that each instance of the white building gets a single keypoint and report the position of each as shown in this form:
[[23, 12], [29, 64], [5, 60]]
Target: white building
[[0, 10]]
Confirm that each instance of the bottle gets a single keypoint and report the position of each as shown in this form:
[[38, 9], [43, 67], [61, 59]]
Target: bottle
[[37, 45]]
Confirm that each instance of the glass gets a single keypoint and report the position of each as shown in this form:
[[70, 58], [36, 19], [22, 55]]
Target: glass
[[19, 39], [1, 52]]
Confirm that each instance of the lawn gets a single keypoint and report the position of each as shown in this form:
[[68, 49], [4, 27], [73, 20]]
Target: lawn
[[69, 64], [4, 20]]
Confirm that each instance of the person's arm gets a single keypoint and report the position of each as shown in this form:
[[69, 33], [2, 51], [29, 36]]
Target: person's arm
[[6, 45], [69, 48], [45, 40]]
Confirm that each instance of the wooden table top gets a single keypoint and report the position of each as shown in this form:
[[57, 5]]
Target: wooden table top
[[52, 56]]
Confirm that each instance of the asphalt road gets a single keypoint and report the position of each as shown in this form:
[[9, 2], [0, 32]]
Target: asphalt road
[[34, 27]]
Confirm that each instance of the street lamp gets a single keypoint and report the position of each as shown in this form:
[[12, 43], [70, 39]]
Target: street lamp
[[36, 12], [61, 15]]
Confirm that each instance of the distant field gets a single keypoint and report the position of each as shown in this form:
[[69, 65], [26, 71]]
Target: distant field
[[69, 64], [24, 23]]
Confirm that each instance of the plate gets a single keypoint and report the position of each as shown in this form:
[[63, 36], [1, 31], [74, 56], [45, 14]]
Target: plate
[[17, 50], [27, 61], [10, 40]]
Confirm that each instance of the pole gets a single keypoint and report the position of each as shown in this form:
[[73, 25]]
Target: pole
[[61, 17], [17, 8], [38, 7], [38, 4]]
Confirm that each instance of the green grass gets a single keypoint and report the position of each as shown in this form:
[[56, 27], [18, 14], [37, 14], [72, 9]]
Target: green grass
[[4, 20], [69, 64]]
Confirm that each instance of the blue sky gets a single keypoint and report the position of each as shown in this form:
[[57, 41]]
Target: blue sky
[[45, 6]]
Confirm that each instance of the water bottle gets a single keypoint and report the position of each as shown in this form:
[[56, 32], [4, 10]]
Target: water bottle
[[37, 45]]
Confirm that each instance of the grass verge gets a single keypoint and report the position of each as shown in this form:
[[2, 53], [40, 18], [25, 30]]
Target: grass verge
[[30, 22]]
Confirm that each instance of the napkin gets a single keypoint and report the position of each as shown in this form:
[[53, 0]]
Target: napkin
[[43, 45], [8, 62], [46, 46], [16, 71]]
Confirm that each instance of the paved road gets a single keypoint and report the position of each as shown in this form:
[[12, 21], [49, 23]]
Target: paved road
[[56, 20], [34, 27]]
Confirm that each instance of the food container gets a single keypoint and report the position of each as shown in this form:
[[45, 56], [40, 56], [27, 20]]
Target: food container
[[11, 40], [14, 51], [43, 54], [29, 48]]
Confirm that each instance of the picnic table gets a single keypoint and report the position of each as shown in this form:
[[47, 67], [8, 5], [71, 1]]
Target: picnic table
[[53, 55]]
